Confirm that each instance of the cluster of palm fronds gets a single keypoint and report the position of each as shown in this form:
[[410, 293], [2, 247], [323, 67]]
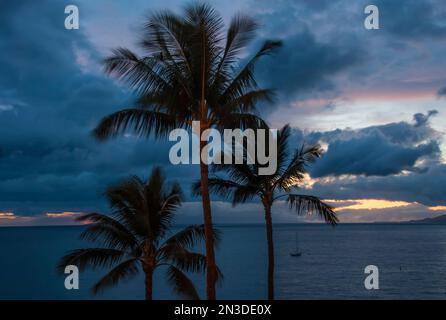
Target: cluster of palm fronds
[[191, 70], [134, 237]]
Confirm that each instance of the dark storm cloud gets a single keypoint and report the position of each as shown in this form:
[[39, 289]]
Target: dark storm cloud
[[338, 44], [318, 4], [369, 162], [426, 187], [442, 92], [372, 154], [52, 93], [304, 63], [401, 133], [413, 18], [421, 119], [51, 96], [377, 150]]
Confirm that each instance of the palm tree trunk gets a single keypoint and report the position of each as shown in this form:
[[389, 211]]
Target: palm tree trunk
[[211, 272], [149, 283], [269, 238]]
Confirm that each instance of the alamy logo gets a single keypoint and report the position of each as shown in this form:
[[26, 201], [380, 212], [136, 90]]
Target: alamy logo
[[72, 280], [372, 280], [371, 22], [260, 147], [72, 20]]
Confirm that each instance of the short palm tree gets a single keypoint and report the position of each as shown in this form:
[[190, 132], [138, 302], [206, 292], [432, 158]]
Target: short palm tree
[[134, 237], [243, 183], [190, 71]]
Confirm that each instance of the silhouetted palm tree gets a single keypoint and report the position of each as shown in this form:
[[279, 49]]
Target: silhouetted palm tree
[[190, 72], [244, 183], [134, 237]]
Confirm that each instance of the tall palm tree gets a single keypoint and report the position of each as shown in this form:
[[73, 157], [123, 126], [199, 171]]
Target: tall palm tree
[[243, 183], [133, 238], [190, 71]]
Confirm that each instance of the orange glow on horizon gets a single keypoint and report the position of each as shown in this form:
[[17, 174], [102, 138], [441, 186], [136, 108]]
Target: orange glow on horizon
[[437, 208], [368, 204], [63, 214], [7, 215]]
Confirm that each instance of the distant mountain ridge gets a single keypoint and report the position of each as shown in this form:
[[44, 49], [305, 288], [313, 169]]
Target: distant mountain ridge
[[437, 220]]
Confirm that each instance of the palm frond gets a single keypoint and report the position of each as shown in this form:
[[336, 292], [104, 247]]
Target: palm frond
[[244, 194], [176, 249], [283, 137], [188, 237], [162, 201], [304, 204], [240, 32], [124, 271], [298, 165], [217, 186], [144, 75], [167, 34], [182, 285], [241, 120], [241, 174], [91, 257], [163, 220], [107, 230], [129, 205], [142, 122], [228, 189], [186, 260], [247, 102], [245, 78]]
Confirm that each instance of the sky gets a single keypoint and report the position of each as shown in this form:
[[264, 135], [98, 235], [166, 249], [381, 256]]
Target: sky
[[375, 99]]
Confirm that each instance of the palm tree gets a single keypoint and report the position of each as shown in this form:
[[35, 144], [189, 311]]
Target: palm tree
[[244, 183], [190, 72], [134, 237]]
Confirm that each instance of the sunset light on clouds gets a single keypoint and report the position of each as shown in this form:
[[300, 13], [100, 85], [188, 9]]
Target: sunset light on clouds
[[368, 204], [374, 101], [62, 218], [6, 215]]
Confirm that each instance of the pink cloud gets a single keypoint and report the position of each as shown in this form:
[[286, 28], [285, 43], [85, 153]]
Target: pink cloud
[[48, 219]]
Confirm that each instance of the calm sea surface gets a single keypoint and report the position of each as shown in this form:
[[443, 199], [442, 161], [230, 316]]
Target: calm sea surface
[[411, 261]]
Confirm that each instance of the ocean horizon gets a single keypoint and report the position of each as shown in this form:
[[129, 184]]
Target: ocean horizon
[[411, 260]]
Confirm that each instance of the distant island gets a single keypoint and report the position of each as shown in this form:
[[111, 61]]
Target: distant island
[[437, 220]]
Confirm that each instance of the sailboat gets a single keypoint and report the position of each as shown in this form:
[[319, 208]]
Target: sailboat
[[297, 252]]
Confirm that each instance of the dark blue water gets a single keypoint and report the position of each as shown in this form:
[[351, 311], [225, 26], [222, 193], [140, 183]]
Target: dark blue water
[[411, 261]]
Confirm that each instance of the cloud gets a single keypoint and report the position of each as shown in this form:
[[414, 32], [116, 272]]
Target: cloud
[[393, 214], [7, 216], [377, 150], [48, 157], [426, 187], [368, 204], [380, 210], [49, 219], [442, 92], [305, 64], [397, 162], [371, 155], [412, 18], [421, 119], [438, 208], [63, 214], [348, 211], [52, 94], [6, 107]]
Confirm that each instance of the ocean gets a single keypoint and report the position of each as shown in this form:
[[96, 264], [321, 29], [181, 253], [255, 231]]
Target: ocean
[[411, 260]]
